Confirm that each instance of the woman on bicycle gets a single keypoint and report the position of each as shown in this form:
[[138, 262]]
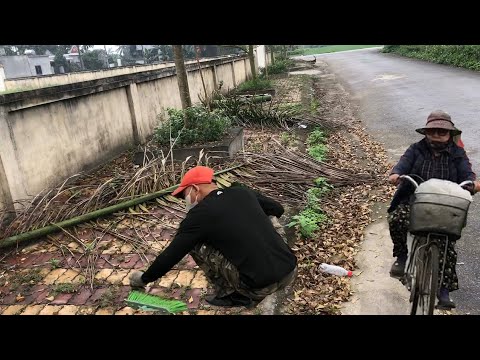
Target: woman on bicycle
[[437, 155]]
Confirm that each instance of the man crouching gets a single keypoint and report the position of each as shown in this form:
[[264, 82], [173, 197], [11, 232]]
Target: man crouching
[[231, 238]]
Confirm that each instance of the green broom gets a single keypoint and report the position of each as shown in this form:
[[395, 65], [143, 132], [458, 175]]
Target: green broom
[[147, 302]]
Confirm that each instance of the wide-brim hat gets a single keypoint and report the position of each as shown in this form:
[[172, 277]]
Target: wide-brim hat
[[195, 176], [439, 119]]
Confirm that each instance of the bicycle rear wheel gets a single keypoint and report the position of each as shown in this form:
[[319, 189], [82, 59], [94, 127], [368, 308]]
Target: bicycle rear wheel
[[426, 280]]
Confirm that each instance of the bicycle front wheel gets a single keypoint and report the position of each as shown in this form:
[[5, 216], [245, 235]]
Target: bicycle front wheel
[[426, 281]]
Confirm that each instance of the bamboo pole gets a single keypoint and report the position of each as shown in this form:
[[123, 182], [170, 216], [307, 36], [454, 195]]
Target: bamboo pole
[[34, 234]]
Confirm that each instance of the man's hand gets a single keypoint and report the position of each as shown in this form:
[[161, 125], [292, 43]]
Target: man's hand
[[136, 279], [394, 179], [477, 186]]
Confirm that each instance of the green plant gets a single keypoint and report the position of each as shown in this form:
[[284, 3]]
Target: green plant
[[54, 263], [280, 66], [323, 185], [66, 288], [307, 222], [207, 126], [317, 136], [318, 152], [315, 141], [467, 56], [313, 198], [314, 104]]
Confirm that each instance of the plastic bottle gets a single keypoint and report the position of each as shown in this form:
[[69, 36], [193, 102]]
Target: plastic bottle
[[334, 270]]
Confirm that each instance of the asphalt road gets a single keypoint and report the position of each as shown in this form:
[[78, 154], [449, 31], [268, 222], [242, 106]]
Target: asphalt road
[[395, 95]]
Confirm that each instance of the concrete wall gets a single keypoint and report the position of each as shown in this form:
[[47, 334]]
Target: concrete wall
[[56, 140], [23, 65], [261, 61], [35, 82], [155, 97], [240, 74], [225, 75], [50, 134]]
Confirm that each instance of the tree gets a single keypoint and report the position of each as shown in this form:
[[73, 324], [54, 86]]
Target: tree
[[128, 54], [151, 55], [92, 60], [60, 61], [271, 48], [182, 80], [166, 52], [252, 61]]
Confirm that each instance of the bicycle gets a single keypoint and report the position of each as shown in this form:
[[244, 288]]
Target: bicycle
[[435, 219]]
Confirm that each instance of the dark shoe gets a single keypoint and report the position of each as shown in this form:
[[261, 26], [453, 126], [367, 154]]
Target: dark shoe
[[235, 299], [398, 268], [444, 302]]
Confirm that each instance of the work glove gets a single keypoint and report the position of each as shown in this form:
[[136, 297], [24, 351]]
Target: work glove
[[136, 279]]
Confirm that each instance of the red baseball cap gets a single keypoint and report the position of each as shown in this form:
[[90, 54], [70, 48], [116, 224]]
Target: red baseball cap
[[195, 176]]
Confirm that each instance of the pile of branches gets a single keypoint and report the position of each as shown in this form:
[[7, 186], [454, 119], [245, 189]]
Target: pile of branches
[[84, 193], [249, 113], [287, 175]]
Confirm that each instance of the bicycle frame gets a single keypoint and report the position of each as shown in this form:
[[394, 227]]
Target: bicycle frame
[[420, 249], [413, 250]]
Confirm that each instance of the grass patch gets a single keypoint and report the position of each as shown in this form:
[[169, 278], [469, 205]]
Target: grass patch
[[54, 263], [329, 49], [465, 56], [28, 278], [66, 288], [256, 84], [279, 67]]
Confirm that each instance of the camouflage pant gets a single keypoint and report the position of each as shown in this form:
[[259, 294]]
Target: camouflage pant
[[398, 221], [226, 278]]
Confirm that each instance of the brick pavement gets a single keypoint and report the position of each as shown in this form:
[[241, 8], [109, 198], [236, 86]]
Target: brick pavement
[[44, 279]]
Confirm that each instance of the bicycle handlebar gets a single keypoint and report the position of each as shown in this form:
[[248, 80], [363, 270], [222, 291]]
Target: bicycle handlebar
[[466, 182], [409, 178]]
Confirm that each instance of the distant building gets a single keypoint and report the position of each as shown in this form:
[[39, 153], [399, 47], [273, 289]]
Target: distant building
[[17, 66], [73, 56]]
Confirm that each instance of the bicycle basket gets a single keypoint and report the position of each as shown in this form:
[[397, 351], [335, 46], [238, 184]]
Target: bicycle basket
[[438, 213]]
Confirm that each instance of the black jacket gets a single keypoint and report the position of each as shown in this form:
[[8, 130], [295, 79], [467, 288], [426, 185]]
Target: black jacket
[[235, 222], [411, 162]]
